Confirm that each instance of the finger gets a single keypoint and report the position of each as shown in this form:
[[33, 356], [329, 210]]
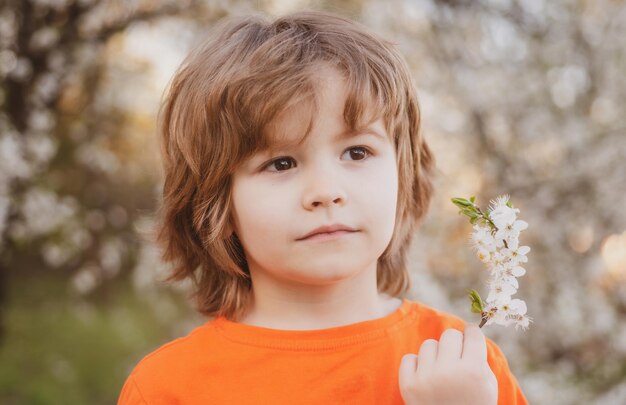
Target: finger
[[450, 345], [408, 367], [427, 356], [474, 344]]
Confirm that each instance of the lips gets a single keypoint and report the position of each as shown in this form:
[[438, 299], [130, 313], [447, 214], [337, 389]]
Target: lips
[[328, 229]]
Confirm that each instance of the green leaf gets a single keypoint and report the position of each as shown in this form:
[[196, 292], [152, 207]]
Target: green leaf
[[477, 302], [472, 199], [461, 202], [468, 213]]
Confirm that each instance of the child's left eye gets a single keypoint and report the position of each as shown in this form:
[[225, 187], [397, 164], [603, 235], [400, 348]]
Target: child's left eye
[[362, 152]]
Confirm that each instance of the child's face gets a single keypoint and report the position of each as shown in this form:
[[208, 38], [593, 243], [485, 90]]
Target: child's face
[[326, 180]]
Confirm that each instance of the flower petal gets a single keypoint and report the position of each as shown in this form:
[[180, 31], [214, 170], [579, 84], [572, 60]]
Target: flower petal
[[520, 225], [518, 271]]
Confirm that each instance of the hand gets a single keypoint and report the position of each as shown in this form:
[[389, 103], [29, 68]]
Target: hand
[[453, 371]]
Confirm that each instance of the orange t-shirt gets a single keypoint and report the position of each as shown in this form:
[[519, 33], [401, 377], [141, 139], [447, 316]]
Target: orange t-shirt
[[223, 362]]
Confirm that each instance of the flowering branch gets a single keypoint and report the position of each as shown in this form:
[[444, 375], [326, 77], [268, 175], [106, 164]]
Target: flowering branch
[[496, 239]]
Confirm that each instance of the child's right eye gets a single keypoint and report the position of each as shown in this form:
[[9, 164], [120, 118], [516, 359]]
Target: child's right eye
[[279, 164]]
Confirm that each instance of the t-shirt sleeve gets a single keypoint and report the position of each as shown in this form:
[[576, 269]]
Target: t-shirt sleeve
[[130, 394], [509, 391]]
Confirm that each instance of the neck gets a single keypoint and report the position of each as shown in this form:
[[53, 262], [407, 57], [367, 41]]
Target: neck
[[299, 306]]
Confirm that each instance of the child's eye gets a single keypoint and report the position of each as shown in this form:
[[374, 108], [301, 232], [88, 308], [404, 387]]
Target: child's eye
[[280, 164], [362, 152], [285, 163]]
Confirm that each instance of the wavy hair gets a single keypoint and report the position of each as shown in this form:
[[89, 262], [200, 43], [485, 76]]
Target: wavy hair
[[217, 111]]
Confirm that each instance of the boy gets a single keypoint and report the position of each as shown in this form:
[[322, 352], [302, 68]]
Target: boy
[[295, 177]]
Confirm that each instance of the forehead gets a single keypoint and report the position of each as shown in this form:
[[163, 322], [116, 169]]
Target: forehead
[[295, 135], [326, 110]]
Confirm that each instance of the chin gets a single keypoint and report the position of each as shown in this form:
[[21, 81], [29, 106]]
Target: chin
[[320, 277]]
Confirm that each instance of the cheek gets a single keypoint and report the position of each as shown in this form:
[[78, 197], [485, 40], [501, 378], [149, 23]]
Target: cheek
[[382, 205], [257, 218], [382, 186]]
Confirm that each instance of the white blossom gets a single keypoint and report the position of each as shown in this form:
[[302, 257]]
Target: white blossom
[[511, 231], [517, 255], [44, 38], [483, 238], [43, 211], [41, 148], [97, 158], [501, 214], [500, 290], [12, 160], [498, 247]]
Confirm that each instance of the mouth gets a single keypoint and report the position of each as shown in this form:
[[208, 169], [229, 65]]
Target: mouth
[[329, 230], [325, 236]]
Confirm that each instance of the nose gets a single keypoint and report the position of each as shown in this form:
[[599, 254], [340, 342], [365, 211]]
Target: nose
[[323, 190]]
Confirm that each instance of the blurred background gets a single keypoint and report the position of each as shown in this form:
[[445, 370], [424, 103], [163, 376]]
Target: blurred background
[[525, 98]]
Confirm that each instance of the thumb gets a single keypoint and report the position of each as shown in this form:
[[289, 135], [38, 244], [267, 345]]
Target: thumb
[[408, 366]]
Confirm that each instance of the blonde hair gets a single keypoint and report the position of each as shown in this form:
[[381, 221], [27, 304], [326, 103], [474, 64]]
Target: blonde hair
[[218, 110]]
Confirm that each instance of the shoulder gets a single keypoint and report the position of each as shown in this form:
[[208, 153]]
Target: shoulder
[[163, 370], [432, 322], [176, 352]]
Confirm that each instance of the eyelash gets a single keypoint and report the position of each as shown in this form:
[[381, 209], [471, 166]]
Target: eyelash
[[368, 153]]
